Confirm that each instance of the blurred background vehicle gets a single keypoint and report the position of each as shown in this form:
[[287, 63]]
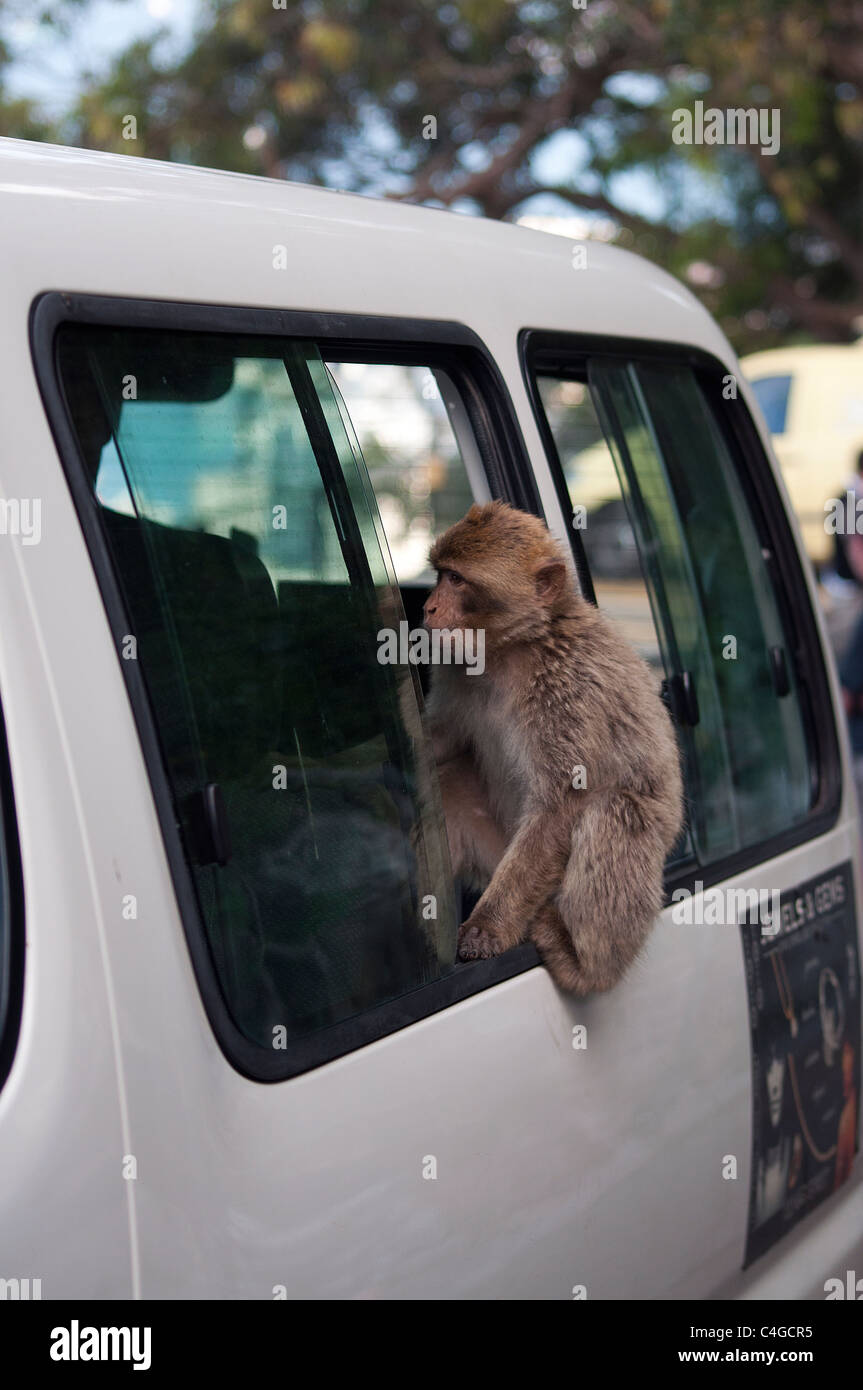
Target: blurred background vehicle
[[812, 401]]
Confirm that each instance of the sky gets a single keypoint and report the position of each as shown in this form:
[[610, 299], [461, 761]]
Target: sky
[[52, 68]]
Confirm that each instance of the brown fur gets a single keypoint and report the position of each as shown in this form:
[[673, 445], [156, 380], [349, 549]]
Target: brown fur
[[578, 871]]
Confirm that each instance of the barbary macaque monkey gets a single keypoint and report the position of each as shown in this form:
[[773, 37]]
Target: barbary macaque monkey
[[559, 767]]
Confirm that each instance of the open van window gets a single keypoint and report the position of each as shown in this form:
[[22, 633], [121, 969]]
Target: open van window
[[600, 515], [703, 579]]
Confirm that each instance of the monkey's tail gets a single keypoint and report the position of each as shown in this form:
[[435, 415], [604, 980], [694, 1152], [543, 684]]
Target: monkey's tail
[[611, 893]]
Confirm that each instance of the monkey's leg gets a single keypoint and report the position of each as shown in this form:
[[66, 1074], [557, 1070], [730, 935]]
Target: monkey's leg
[[551, 937], [612, 891], [527, 875], [476, 843]]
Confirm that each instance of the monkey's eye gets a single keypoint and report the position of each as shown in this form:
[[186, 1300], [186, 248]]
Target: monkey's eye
[[455, 579]]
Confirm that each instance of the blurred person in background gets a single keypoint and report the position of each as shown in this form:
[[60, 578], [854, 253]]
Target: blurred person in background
[[842, 579], [851, 678], [848, 546]]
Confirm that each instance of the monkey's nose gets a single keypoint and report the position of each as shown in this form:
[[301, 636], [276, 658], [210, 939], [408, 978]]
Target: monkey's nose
[[429, 608]]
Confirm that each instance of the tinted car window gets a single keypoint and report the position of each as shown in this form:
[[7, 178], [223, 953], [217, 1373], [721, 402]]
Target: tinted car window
[[718, 638], [256, 577]]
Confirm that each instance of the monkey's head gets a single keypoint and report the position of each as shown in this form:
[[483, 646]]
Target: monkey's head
[[500, 570]]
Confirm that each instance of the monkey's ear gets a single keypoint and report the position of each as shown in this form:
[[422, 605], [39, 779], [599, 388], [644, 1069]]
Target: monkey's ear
[[550, 579]]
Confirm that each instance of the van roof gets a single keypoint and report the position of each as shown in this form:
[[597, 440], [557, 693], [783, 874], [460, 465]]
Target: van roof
[[91, 222]]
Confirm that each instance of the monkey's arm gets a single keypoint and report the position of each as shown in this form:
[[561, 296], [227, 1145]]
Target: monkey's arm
[[528, 874], [476, 842], [447, 736]]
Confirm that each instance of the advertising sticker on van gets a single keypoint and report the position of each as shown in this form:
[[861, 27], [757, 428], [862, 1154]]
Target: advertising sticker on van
[[803, 982]]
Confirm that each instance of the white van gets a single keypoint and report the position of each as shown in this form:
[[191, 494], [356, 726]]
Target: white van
[[239, 1058]]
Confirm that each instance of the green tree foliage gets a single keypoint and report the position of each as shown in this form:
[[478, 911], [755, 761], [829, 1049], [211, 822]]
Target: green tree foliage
[[348, 92]]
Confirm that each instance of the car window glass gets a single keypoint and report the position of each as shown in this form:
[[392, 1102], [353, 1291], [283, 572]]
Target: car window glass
[[245, 539]]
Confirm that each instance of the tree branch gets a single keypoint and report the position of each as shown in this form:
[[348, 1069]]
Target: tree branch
[[825, 318], [817, 218], [588, 202]]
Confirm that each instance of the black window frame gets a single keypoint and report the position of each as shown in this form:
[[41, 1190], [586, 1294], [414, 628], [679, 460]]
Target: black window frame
[[548, 353], [13, 890], [450, 345]]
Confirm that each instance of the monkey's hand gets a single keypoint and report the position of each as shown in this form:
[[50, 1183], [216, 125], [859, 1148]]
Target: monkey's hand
[[483, 935], [529, 871]]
